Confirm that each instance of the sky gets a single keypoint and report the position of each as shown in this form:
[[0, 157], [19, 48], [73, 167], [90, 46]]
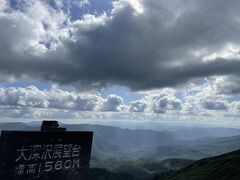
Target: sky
[[175, 61]]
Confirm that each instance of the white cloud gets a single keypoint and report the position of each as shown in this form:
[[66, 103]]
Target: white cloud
[[69, 3], [3, 5], [53, 98], [165, 103], [136, 5], [235, 107], [207, 98], [33, 29], [138, 106], [113, 103], [31, 102]]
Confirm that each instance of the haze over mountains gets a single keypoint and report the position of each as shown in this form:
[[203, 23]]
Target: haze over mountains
[[133, 144], [119, 153], [182, 131]]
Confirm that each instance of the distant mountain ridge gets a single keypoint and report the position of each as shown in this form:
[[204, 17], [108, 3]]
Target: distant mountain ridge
[[116, 149], [197, 149], [110, 141], [133, 144], [114, 142], [184, 131]]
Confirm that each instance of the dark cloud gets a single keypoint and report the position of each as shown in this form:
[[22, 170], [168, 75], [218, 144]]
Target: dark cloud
[[155, 48]]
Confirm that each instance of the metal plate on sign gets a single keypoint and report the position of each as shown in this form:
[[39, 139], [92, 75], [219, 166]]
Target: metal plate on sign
[[33, 154]]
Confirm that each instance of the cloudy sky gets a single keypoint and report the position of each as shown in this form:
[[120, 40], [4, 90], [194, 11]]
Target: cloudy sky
[[122, 60]]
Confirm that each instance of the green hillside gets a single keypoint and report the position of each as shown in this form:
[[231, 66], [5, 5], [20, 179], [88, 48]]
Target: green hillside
[[223, 167], [140, 169]]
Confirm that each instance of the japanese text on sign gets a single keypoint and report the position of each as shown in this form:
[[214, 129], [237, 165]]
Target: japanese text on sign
[[50, 157]]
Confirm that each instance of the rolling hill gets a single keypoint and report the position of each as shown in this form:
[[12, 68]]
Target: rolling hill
[[141, 169], [197, 149], [223, 167]]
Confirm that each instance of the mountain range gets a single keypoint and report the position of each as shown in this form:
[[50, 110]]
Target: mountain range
[[122, 154], [132, 144]]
